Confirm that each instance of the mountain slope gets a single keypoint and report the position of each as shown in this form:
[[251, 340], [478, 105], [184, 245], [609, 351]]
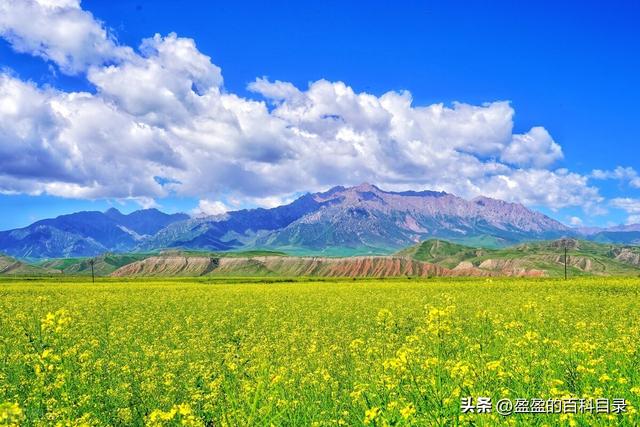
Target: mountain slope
[[584, 257], [443, 253], [360, 220], [106, 264], [370, 218], [84, 233], [145, 222], [286, 267], [360, 266], [11, 266], [627, 234], [103, 264], [231, 230], [619, 237]]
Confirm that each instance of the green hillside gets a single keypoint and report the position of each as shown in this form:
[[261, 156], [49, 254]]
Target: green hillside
[[11, 266], [583, 257], [444, 253], [226, 254], [103, 266]]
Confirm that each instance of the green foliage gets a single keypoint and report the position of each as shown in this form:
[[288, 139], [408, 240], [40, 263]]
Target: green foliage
[[584, 257], [215, 351], [444, 253]]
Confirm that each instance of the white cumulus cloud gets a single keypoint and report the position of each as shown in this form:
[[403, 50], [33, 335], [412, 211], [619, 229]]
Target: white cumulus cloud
[[160, 122], [627, 204], [624, 174], [534, 148], [210, 207], [59, 31], [630, 205]]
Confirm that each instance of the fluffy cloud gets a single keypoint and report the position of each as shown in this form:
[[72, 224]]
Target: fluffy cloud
[[276, 91], [633, 219], [160, 122], [162, 85], [76, 145], [59, 31], [575, 221], [631, 206], [624, 174], [554, 189], [534, 148], [627, 204], [210, 207]]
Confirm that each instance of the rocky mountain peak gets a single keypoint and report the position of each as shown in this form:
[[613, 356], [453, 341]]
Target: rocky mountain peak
[[365, 187]]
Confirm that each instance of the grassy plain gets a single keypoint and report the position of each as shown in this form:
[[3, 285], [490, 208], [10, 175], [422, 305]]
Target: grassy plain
[[212, 351]]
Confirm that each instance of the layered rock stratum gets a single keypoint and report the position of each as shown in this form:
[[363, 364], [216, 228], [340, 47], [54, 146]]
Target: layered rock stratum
[[361, 266]]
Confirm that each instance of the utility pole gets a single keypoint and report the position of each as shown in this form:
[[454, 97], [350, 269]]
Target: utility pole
[[565, 261], [93, 276]]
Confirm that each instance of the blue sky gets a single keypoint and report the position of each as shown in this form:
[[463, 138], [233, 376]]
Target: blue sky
[[569, 68]]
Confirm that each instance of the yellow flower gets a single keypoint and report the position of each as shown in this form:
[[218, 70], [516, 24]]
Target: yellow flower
[[384, 317], [55, 321], [10, 415], [356, 344], [370, 415], [408, 411], [604, 378], [181, 414], [492, 366]]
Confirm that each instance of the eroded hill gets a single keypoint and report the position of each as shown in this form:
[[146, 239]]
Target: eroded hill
[[11, 266], [373, 266]]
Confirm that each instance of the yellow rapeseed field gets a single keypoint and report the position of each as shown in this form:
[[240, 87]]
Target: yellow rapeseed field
[[232, 352]]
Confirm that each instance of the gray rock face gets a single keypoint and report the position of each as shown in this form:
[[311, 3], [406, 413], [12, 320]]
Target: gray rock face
[[368, 217]]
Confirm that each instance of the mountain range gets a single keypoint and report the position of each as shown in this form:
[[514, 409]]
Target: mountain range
[[360, 220], [85, 233]]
